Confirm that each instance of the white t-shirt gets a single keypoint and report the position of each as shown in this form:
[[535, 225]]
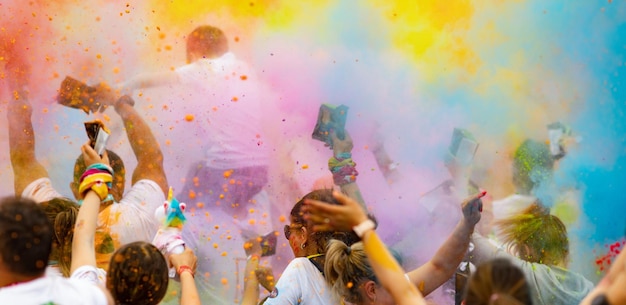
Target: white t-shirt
[[225, 97], [130, 220], [301, 283], [548, 284], [90, 274], [52, 290]]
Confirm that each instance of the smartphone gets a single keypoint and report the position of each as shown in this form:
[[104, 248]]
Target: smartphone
[[268, 243], [330, 118], [98, 135]]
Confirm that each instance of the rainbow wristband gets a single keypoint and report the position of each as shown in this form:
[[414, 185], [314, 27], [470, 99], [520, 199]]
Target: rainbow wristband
[[99, 182]]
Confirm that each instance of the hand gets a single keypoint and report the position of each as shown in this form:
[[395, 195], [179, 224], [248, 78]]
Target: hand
[[187, 258], [265, 276], [104, 96], [329, 217], [341, 146], [90, 156], [472, 207]]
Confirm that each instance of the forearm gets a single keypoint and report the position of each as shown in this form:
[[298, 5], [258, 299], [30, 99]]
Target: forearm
[[83, 249], [189, 292], [448, 257], [143, 81], [25, 166], [353, 191], [144, 145], [251, 283]]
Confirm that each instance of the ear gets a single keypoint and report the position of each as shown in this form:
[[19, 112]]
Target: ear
[[369, 288], [305, 234], [74, 187]]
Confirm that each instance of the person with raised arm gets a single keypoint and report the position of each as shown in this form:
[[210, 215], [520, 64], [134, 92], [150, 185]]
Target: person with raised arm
[[403, 288]]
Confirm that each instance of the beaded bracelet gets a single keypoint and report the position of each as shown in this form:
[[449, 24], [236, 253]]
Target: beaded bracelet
[[185, 268], [343, 168]]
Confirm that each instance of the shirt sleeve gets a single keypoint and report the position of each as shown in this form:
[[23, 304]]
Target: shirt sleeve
[[91, 274], [41, 190]]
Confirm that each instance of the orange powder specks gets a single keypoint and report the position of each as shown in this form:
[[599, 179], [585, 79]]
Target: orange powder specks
[[251, 211], [224, 253], [234, 99], [192, 194], [228, 173], [215, 245], [243, 77], [200, 205], [252, 221], [189, 117], [224, 281], [282, 218], [305, 166]]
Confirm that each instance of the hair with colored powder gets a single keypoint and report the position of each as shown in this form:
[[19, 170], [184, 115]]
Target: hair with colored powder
[[25, 236], [61, 213], [321, 238], [206, 42], [497, 282], [536, 236], [532, 165], [138, 274], [345, 270]]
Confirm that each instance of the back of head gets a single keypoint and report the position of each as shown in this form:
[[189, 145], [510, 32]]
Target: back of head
[[206, 42], [25, 237], [321, 238], [346, 268], [536, 235], [497, 282], [62, 212], [138, 274], [532, 165]]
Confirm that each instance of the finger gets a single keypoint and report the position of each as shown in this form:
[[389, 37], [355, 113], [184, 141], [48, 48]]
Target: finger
[[319, 207], [344, 199]]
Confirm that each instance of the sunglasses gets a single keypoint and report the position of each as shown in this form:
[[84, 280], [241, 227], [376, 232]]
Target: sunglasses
[[287, 229]]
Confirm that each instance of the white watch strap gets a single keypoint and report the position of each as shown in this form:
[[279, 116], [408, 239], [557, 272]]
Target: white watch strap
[[364, 227]]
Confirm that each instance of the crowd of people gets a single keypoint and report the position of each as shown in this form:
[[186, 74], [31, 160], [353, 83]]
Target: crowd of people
[[97, 248]]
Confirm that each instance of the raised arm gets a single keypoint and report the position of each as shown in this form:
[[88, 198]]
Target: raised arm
[[350, 216], [26, 167], [148, 80], [144, 145], [343, 168], [444, 263], [185, 264], [83, 249]]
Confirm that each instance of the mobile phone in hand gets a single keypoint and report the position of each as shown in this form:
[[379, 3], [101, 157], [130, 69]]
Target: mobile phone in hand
[[268, 244], [98, 135]]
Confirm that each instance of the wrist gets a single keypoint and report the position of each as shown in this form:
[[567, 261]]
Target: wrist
[[185, 269], [364, 227]]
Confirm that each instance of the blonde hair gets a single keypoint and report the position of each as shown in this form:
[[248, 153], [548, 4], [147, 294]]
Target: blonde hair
[[345, 268], [497, 282], [536, 235]]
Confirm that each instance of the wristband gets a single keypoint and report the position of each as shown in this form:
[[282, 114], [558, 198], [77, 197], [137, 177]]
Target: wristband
[[363, 227], [185, 268]]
